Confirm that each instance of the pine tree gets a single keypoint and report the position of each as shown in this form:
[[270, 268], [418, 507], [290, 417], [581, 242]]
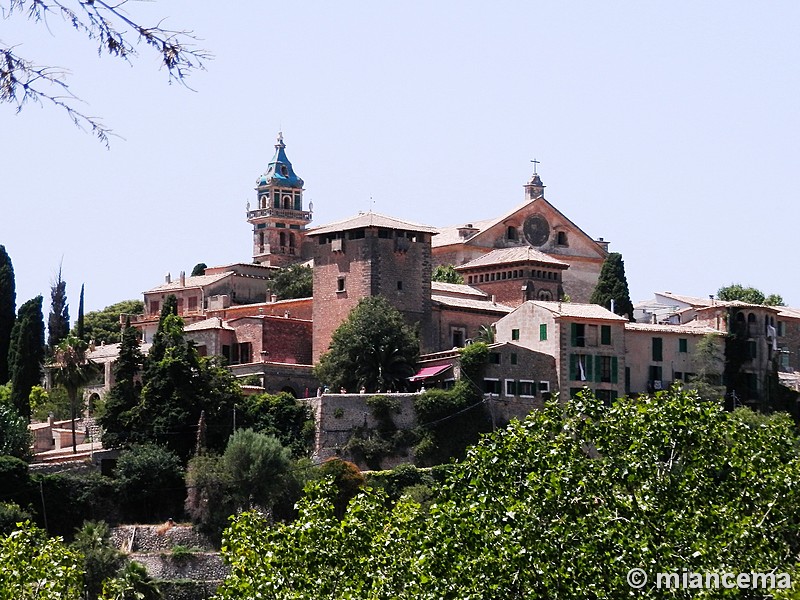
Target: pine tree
[[612, 285], [124, 394], [58, 320], [26, 354], [8, 300]]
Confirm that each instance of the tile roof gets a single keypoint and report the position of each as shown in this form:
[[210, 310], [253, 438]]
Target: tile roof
[[573, 309], [107, 352], [190, 282], [459, 289], [450, 235], [690, 300], [510, 255], [685, 328], [469, 303], [212, 323], [371, 219]]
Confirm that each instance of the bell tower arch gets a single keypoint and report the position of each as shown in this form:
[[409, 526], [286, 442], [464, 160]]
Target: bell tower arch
[[279, 220]]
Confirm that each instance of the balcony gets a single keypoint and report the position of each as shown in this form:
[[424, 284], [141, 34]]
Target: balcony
[[281, 213]]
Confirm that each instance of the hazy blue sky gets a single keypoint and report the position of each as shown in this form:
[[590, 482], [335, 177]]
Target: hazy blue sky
[[670, 129]]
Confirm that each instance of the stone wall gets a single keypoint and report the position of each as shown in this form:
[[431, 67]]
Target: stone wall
[[198, 566], [157, 538]]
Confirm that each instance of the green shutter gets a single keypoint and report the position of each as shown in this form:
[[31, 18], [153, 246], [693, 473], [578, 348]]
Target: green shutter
[[614, 367], [573, 367], [542, 332], [574, 329], [657, 350], [588, 367], [683, 345], [598, 367], [605, 334]]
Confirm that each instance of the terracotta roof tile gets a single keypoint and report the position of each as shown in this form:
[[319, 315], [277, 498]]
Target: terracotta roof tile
[[510, 255], [583, 311], [371, 219], [189, 282], [483, 305]]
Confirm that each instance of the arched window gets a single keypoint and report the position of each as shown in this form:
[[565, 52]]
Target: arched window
[[751, 325], [561, 238], [511, 233], [287, 202], [545, 295], [282, 240]]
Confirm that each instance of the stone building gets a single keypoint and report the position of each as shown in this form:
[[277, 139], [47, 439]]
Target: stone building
[[537, 225], [370, 255]]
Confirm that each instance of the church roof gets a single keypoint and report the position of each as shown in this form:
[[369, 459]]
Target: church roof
[[516, 254], [371, 219], [279, 171], [474, 304], [457, 289], [452, 234]]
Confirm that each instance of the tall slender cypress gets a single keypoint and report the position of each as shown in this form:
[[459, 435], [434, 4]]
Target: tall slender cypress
[[612, 285], [79, 326], [58, 320], [26, 354], [8, 308]]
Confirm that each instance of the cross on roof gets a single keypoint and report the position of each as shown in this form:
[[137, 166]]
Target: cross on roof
[[535, 162]]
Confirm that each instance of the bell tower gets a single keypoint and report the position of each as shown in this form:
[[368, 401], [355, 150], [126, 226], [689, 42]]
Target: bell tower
[[279, 220]]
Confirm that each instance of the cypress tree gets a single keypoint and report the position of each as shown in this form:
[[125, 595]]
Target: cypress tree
[[58, 320], [26, 354], [612, 285], [8, 301], [124, 395], [79, 326]]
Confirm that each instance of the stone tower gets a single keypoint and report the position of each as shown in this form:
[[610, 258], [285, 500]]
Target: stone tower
[[279, 221], [370, 255]]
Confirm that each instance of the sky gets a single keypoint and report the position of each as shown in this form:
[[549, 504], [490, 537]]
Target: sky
[[669, 129]]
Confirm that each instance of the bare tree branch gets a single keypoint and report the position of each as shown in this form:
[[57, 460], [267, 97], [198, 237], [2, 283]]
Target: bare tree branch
[[105, 23]]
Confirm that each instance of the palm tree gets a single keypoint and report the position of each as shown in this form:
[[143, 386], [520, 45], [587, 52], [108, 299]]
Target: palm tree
[[133, 583], [72, 370]]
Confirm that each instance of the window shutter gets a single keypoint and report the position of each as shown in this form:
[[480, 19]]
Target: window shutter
[[574, 330], [614, 367], [589, 362], [573, 367], [598, 367], [605, 334]]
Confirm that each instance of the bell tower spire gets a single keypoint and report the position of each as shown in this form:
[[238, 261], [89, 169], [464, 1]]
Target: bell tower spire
[[279, 220]]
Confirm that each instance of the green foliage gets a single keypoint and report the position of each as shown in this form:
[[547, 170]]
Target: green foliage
[[101, 560], [613, 285], [347, 481], [54, 401], [182, 553], [561, 505], [70, 498], [209, 501], [38, 567], [751, 295], [15, 485], [446, 274], [374, 348], [258, 466], [80, 324], [8, 306], [58, 319], [294, 281], [26, 354], [373, 445], [150, 481], [132, 584], [124, 394], [72, 370], [103, 326], [199, 269], [472, 359], [280, 415], [15, 438], [10, 515], [395, 482], [709, 365]]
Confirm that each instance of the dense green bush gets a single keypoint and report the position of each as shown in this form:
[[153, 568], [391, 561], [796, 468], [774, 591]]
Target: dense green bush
[[150, 482]]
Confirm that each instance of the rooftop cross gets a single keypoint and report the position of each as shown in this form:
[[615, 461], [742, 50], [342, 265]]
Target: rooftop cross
[[535, 162]]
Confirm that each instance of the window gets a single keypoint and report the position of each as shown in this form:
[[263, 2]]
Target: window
[[543, 332], [578, 335], [580, 367], [513, 358], [511, 233], [193, 304], [605, 335], [515, 334], [783, 359], [561, 238], [781, 328], [494, 358], [399, 285], [544, 387], [658, 347], [245, 352], [752, 350], [457, 335], [526, 389], [683, 345], [605, 369], [491, 386], [511, 387], [655, 377], [340, 283], [591, 335], [607, 397], [154, 306]]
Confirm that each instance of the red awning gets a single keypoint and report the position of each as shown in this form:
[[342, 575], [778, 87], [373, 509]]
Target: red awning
[[427, 372]]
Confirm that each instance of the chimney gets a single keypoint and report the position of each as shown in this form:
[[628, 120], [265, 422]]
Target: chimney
[[273, 298], [168, 278], [612, 305], [493, 299], [183, 278]]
